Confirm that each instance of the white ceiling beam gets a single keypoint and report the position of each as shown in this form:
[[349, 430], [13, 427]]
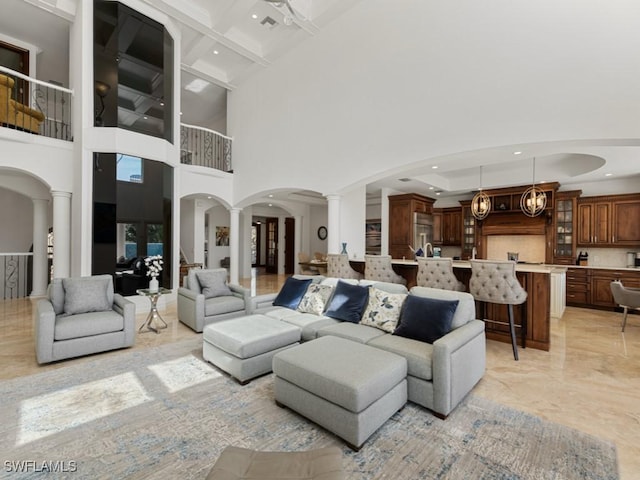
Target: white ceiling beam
[[236, 12], [206, 72], [197, 49], [63, 8]]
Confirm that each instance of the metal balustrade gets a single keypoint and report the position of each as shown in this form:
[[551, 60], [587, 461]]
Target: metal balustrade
[[34, 106], [15, 281], [205, 148]]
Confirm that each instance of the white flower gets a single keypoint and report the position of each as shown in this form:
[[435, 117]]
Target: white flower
[[154, 265]]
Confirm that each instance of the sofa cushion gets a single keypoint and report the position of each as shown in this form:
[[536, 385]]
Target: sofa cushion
[[221, 305], [291, 293], [418, 354], [426, 319], [348, 302], [280, 313], [383, 309], [466, 310], [385, 286], [315, 299], [333, 281], [87, 324], [213, 283], [351, 331], [85, 294]]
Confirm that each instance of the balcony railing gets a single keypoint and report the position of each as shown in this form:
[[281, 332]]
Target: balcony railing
[[15, 281], [34, 106], [205, 148]]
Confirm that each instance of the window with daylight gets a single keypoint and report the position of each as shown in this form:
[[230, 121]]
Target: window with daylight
[[129, 169]]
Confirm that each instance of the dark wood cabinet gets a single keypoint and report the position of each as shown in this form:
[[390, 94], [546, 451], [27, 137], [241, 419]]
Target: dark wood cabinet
[[468, 231], [564, 228], [591, 287], [401, 210], [437, 227], [578, 281], [609, 221], [452, 227]]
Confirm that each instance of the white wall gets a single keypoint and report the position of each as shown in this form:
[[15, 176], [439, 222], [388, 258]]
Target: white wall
[[218, 217], [16, 218], [187, 228], [352, 222], [349, 103], [317, 219]]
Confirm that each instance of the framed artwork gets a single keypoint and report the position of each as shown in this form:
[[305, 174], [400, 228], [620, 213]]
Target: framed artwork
[[222, 236], [373, 236]]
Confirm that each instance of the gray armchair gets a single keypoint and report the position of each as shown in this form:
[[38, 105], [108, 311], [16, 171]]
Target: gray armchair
[[82, 315], [206, 298]]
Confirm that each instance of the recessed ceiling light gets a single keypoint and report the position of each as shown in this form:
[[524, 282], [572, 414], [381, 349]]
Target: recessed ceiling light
[[431, 188], [434, 167], [162, 104], [146, 118], [209, 197], [608, 174], [180, 113], [254, 16], [517, 153], [271, 204], [216, 52], [438, 193], [271, 195]]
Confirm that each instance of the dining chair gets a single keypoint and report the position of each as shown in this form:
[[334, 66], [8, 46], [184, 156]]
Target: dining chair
[[626, 297]]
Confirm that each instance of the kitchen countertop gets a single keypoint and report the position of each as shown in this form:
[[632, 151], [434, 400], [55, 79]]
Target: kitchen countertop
[[524, 267]]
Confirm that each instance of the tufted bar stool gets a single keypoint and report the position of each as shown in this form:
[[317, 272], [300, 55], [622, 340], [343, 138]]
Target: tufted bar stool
[[495, 281], [378, 268], [338, 267], [438, 273]]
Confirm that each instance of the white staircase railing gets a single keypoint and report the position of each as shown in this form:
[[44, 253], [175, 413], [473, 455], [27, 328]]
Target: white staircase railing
[[15, 280]]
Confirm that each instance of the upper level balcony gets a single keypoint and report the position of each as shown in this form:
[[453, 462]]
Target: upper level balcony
[[41, 108]]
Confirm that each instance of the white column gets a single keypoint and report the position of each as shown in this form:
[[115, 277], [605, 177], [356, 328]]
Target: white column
[[61, 234], [40, 231], [333, 221], [199, 211], [234, 245], [297, 242], [384, 220]]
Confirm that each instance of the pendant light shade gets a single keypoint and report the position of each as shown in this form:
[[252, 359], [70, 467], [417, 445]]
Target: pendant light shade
[[533, 200], [481, 203]]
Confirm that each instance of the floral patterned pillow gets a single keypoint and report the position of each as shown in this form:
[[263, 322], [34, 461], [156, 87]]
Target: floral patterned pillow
[[383, 310], [315, 299]]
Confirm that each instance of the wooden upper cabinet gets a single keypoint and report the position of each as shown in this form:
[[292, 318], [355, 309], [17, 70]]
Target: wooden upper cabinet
[[626, 223], [609, 221], [564, 228], [452, 227], [437, 227]]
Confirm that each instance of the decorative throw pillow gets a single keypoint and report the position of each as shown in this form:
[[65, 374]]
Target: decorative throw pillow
[[315, 299], [383, 309], [426, 319], [291, 293], [213, 284], [348, 302], [83, 295]]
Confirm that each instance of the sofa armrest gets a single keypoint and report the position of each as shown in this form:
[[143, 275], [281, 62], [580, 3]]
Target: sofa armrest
[[127, 309], [191, 308], [458, 363], [261, 301], [45, 327], [243, 293]]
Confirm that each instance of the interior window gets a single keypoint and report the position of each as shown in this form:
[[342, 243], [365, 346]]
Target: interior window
[[129, 169]]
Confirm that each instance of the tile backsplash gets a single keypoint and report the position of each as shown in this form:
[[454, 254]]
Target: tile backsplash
[[606, 257], [530, 248]]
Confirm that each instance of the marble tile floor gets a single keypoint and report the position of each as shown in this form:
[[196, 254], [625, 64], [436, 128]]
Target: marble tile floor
[[590, 380]]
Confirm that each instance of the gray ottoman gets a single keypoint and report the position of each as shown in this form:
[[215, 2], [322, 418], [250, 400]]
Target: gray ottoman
[[244, 347], [348, 388]]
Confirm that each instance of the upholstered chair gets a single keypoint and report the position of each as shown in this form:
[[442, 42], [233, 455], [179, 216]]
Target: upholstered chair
[[338, 267], [494, 281], [438, 273], [80, 316], [378, 268], [305, 268], [627, 298]]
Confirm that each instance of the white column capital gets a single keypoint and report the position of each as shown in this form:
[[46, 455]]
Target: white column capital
[[59, 193]]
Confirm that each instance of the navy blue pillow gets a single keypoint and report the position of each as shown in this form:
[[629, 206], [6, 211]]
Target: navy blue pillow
[[425, 319], [348, 302], [291, 293]]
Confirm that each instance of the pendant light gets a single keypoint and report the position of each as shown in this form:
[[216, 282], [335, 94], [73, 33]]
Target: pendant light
[[481, 203], [533, 200]]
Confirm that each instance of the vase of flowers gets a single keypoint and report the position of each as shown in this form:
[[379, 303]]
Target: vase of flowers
[[154, 267]]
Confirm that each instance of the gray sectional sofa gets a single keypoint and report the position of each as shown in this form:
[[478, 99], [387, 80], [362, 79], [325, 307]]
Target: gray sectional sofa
[[439, 375]]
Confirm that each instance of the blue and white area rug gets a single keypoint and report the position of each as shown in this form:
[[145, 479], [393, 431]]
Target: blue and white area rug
[[164, 413]]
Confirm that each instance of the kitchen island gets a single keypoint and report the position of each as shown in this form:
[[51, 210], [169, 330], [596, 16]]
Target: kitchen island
[[543, 283]]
